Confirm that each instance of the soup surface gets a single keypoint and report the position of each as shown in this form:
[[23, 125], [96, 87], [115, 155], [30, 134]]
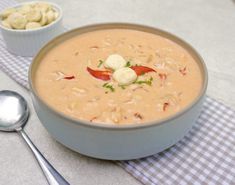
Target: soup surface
[[118, 76]]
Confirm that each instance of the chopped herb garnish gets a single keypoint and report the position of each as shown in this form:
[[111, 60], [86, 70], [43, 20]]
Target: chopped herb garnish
[[128, 64], [147, 82], [108, 86], [100, 63], [105, 84], [122, 86]]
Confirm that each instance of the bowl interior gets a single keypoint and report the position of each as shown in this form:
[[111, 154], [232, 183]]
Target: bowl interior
[[78, 31]]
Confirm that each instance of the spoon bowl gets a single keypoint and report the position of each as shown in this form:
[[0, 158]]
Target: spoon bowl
[[14, 111]]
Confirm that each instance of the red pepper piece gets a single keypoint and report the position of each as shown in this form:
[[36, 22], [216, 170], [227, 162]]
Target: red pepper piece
[[140, 70], [102, 75], [165, 105], [138, 115], [69, 77], [183, 71], [162, 76]]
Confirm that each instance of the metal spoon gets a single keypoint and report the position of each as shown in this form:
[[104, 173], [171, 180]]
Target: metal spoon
[[14, 114]]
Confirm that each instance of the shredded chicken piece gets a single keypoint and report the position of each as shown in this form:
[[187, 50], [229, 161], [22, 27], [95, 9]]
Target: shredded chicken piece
[[116, 115], [72, 106], [167, 64], [95, 99], [160, 65], [111, 103], [131, 101], [157, 53], [168, 83], [88, 62], [131, 46], [108, 39], [107, 43], [79, 91], [171, 99], [149, 59], [94, 47], [135, 87], [59, 75]]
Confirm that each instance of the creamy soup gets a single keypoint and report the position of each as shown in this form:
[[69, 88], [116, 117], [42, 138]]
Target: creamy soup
[[118, 76]]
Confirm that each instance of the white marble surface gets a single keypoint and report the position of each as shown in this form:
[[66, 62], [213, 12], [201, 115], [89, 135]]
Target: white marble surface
[[207, 25]]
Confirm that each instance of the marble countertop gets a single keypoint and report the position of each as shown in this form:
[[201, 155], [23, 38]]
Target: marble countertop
[[206, 25]]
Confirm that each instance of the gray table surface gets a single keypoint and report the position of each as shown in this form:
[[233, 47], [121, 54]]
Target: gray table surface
[[207, 25]]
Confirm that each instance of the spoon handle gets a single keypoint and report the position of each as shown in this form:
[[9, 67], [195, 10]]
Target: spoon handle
[[53, 177]]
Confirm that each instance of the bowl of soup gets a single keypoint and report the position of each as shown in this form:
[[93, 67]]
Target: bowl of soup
[[117, 91]]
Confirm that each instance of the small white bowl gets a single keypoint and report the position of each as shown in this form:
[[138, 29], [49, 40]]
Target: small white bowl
[[29, 42]]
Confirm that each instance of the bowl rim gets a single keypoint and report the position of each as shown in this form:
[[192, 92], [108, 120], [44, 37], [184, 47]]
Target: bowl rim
[[56, 6], [139, 27]]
